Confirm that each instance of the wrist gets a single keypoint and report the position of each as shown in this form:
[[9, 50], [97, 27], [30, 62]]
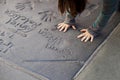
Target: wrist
[[94, 31], [70, 21]]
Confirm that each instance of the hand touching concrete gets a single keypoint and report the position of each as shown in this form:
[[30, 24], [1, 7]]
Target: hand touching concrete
[[85, 36], [64, 27]]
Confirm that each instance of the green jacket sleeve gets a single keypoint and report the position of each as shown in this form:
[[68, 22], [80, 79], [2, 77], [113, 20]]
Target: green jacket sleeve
[[109, 6], [69, 19]]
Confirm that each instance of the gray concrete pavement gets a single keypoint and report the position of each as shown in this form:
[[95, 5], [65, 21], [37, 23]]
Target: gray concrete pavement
[[106, 64], [10, 73], [29, 38]]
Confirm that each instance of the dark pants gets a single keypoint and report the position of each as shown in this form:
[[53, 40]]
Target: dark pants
[[119, 6]]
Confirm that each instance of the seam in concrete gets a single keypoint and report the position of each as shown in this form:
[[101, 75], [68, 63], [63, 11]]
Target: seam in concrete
[[94, 54], [12, 65]]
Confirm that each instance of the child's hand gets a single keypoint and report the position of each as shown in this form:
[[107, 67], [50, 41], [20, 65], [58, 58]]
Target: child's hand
[[64, 27], [86, 36]]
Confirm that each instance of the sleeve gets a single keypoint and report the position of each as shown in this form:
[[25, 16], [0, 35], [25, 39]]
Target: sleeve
[[69, 19], [109, 6]]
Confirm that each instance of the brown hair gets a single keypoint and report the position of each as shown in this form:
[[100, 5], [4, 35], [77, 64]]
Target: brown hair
[[73, 6]]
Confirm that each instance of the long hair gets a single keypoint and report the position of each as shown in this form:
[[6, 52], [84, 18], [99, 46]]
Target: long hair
[[73, 6]]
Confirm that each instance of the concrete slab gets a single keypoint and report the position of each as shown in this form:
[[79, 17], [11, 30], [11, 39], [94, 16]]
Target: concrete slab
[[29, 37], [106, 63], [9, 73]]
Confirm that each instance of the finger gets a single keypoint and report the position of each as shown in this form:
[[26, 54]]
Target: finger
[[61, 28], [66, 28], [91, 38], [81, 35], [88, 37], [83, 39], [83, 30], [60, 24], [74, 27]]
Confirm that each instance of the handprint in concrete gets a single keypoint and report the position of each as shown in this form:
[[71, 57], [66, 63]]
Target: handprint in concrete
[[48, 16]]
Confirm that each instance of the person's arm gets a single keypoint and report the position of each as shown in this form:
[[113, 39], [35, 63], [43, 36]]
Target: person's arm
[[109, 6], [69, 19]]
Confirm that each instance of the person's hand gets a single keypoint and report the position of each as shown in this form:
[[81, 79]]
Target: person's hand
[[85, 36], [64, 27]]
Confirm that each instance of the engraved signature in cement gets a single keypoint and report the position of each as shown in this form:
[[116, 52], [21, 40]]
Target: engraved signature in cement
[[2, 1], [22, 6], [20, 24], [28, 4], [53, 42], [5, 43]]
